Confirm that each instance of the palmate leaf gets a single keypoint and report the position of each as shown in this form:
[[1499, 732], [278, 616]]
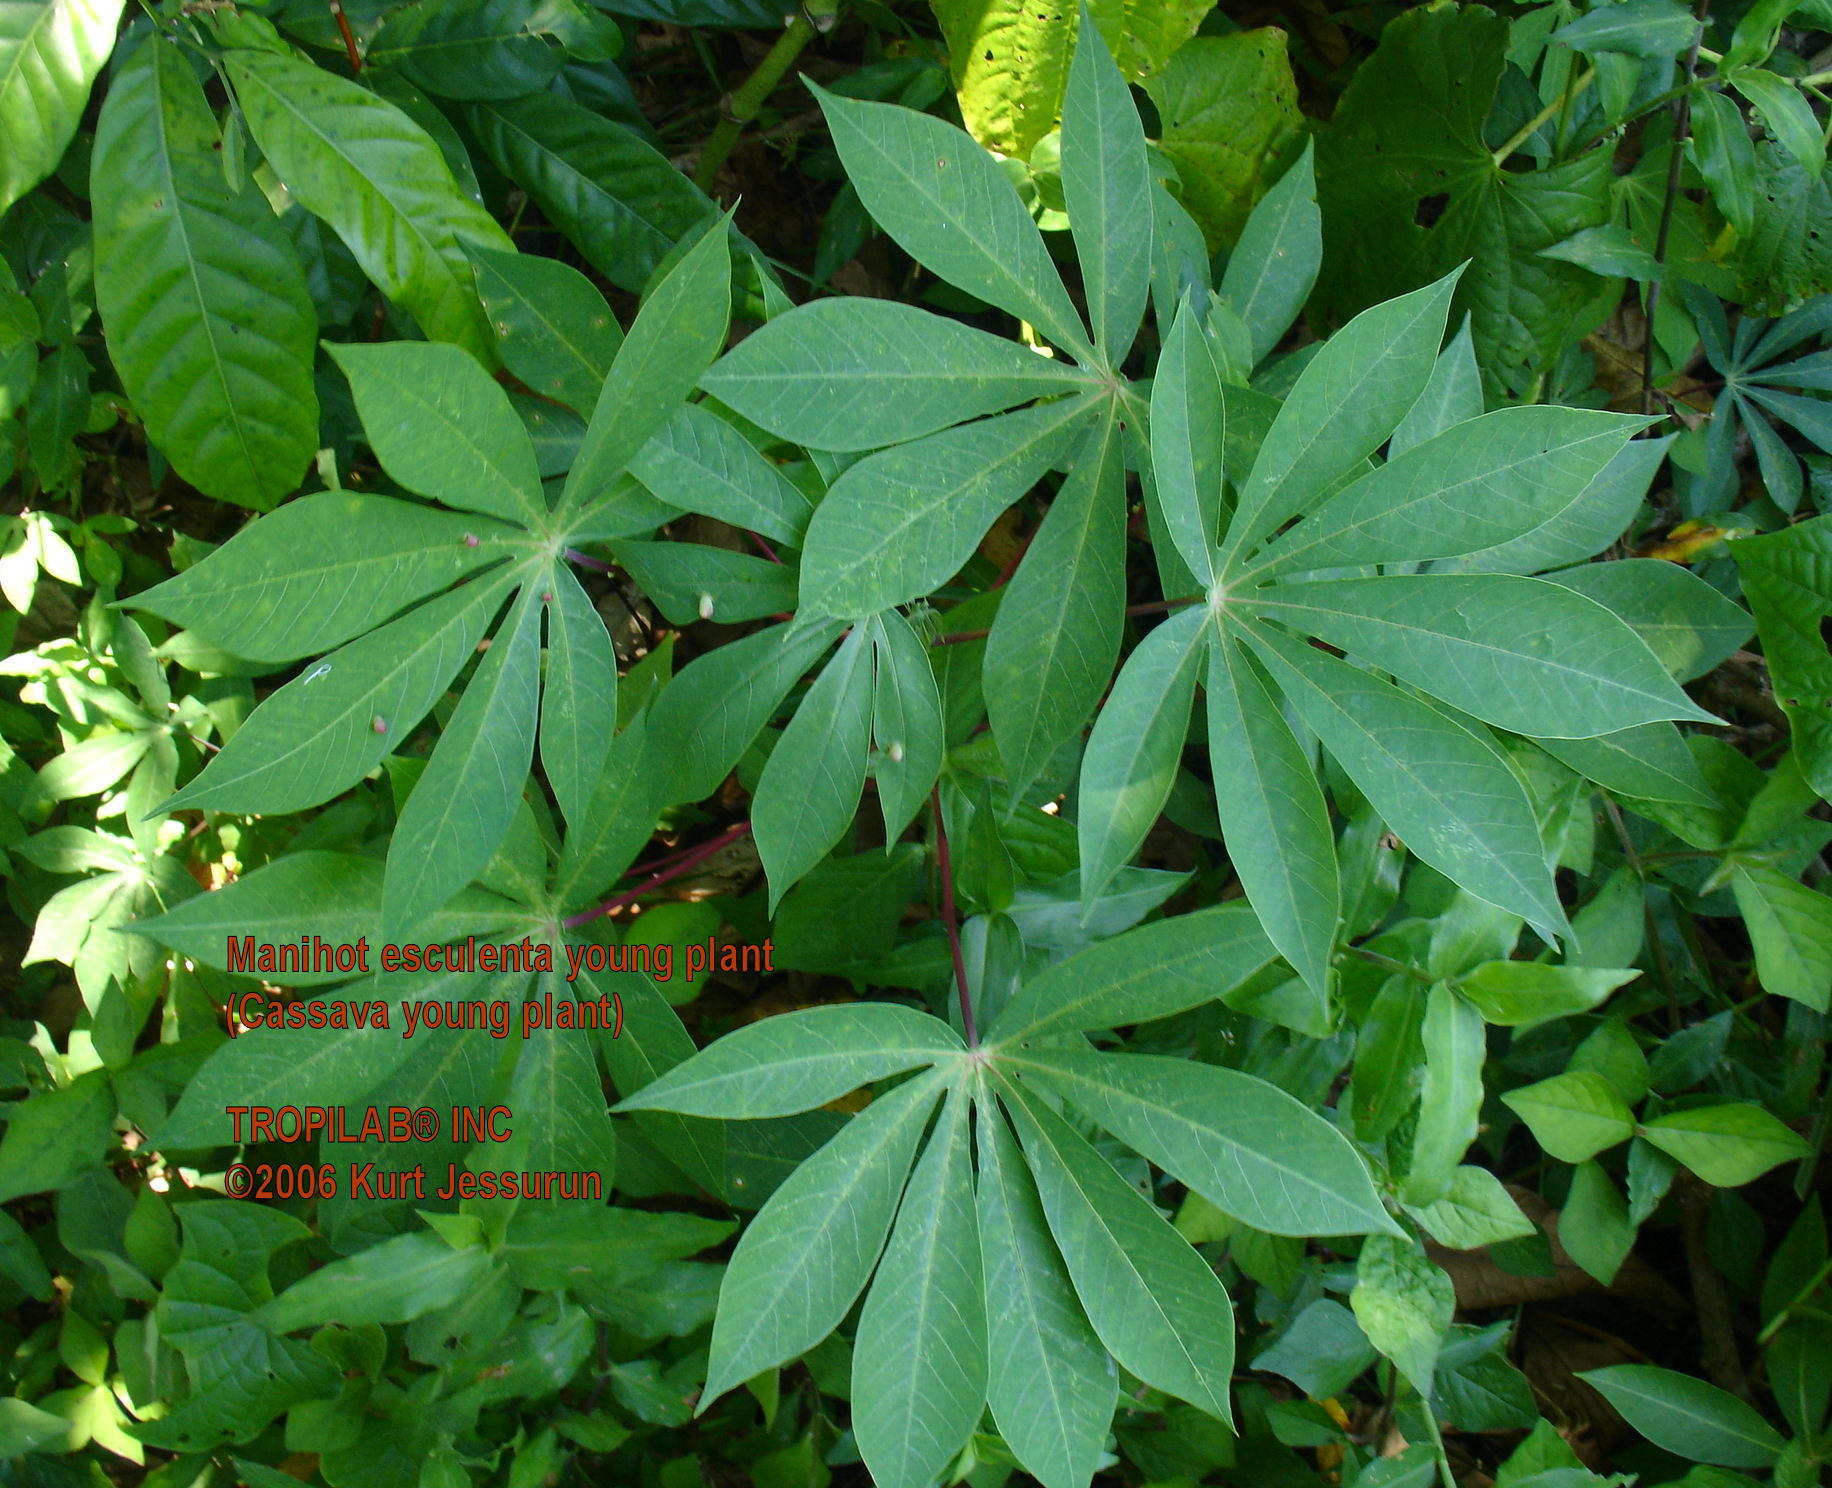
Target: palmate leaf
[[206, 310]]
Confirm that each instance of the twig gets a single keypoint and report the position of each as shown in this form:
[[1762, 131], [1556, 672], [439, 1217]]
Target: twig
[[349, 40], [1532, 126], [1676, 150], [948, 919], [688, 862], [585, 560], [762, 546]]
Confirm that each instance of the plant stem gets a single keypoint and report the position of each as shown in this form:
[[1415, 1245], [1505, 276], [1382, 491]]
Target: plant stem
[[947, 918], [686, 864], [1532, 126], [585, 560], [349, 40], [1682, 122], [750, 98]]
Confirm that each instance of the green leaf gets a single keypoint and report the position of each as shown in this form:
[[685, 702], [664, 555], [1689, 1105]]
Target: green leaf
[[1785, 579], [1726, 1145], [1790, 928], [1573, 1116], [1274, 265], [208, 318], [1450, 1101], [54, 1135], [1452, 397], [1475, 1210], [615, 195], [1272, 814], [461, 808], [707, 716], [394, 1282], [857, 374], [1516, 652], [379, 179], [1446, 791], [1409, 130], [809, 791], [1404, 1303], [1051, 1385], [906, 723], [798, 1061], [579, 700], [1687, 624], [1637, 28], [1010, 64], [317, 735], [1651, 762], [1186, 446], [1057, 633], [699, 462], [320, 570], [1104, 179], [1726, 158], [675, 336], [1389, 1053], [1475, 485], [899, 524], [950, 207], [1156, 1305], [1228, 104], [1594, 1227], [557, 1095], [919, 1361], [804, 1259], [553, 329], [1345, 403], [1246, 1146], [1133, 752], [50, 54], [1687, 1416], [441, 427], [470, 49], [1158, 969], [1521, 994], [1789, 116]]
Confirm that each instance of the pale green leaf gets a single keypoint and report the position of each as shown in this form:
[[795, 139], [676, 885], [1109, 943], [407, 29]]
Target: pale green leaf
[[1727, 1145], [1272, 814], [1573, 1116], [1450, 1100], [1272, 268], [919, 1360], [805, 1258], [1404, 1303], [1253, 1151], [442, 428], [856, 374], [50, 53], [800, 1060]]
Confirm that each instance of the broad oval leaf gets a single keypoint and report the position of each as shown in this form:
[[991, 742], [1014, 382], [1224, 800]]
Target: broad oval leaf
[[50, 53], [207, 314], [1687, 1416], [553, 329], [699, 462], [797, 1061], [1245, 1145], [378, 178]]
